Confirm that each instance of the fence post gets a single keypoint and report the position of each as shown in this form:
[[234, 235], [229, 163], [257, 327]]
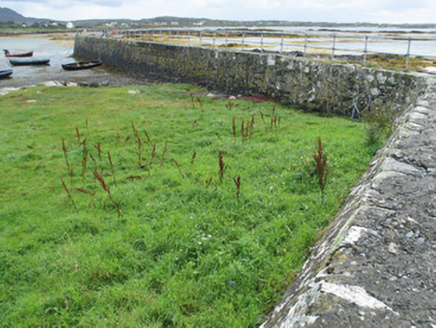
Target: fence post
[[366, 50], [227, 39], [261, 41], [305, 44], [178, 37], [408, 53], [243, 39], [189, 38], [201, 38], [334, 45], [214, 44], [281, 43]]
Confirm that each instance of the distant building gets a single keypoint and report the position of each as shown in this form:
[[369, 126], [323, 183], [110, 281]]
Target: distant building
[[70, 25], [174, 23], [199, 24]]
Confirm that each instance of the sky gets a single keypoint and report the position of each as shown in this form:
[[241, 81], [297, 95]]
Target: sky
[[335, 11]]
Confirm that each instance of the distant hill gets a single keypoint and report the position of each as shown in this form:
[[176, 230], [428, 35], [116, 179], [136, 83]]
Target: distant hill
[[8, 15]]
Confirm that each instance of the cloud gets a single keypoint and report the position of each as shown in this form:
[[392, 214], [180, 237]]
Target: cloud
[[341, 11]]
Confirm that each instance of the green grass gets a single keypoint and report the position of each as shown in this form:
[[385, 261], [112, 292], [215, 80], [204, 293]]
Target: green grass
[[186, 250]]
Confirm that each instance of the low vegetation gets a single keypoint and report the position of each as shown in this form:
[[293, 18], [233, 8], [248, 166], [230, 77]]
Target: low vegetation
[[157, 206]]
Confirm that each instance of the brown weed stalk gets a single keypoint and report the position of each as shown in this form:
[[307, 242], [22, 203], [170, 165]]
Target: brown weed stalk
[[84, 159], [136, 134], [243, 130], [148, 137], [251, 127], [112, 167], [64, 149], [78, 135], [234, 128], [237, 182], [106, 188], [92, 193], [222, 165], [153, 154], [98, 147], [320, 158], [178, 166], [193, 157], [69, 195], [163, 153]]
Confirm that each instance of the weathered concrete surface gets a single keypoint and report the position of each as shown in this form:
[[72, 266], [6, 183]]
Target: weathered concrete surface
[[376, 265]]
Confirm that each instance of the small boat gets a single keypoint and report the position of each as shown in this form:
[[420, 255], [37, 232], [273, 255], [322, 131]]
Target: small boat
[[81, 65], [5, 73], [18, 54], [16, 62]]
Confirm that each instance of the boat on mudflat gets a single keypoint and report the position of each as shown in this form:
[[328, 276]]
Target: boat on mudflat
[[17, 62], [81, 65], [5, 73], [18, 54]]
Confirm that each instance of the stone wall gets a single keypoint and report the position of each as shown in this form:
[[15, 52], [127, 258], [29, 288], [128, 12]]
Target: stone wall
[[313, 85]]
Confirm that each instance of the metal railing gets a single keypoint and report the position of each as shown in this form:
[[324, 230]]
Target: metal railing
[[297, 43]]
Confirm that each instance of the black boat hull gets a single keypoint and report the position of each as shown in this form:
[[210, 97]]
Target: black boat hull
[[81, 65]]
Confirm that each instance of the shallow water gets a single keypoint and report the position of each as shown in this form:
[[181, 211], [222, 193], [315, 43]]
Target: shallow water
[[59, 48]]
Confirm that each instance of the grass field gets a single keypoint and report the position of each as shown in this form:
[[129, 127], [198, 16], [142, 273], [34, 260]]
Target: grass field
[[157, 206]]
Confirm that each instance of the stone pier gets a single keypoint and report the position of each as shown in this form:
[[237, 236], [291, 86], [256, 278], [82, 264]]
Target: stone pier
[[376, 264]]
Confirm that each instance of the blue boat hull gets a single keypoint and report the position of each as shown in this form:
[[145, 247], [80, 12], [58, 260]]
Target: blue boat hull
[[5, 73], [16, 62]]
